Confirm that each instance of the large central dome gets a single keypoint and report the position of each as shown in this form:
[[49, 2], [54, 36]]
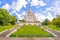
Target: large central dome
[[30, 17]]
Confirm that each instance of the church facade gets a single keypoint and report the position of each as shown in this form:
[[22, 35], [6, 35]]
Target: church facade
[[30, 18]]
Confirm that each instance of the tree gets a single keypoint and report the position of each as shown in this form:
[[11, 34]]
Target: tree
[[5, 17], [56, 21], [13, 21], [22, 20], [46, 22]]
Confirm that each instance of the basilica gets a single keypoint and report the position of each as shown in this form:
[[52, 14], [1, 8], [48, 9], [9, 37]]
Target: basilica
[[30, 18]]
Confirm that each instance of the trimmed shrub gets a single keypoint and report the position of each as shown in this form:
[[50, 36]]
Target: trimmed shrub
[[39, 35], [30, 35], [21, 35], [13, 35], [49, 35]]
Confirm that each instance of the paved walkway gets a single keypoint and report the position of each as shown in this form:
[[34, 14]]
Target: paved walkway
[[32, 38], [53, 32], [29, 38], [4, 34]]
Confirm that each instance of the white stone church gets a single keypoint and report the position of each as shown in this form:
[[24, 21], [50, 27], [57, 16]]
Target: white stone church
[[30, 18]]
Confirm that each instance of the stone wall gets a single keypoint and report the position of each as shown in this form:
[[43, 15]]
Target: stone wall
[[26, 23]]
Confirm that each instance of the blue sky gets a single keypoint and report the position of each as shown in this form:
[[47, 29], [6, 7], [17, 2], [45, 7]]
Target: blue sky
[[41, 8]]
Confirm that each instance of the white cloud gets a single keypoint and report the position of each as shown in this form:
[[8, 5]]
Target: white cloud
[[0, 2], [54, 8], [34, 2], [37, 2], [57, 7], [49, 16], [43, 17], [22, 3], [42, 3], [17, 14], [19, 4], [23, 13], [16, 6], [57, 4], [48, 9], [40, 17], [28, 0], [6, 6]]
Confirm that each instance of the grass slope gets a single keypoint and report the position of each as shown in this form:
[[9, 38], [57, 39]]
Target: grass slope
[[53, 27], [2, 28], [30, 31]]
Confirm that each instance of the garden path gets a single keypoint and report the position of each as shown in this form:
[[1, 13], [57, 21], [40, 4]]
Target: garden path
[[4, 34], [53, 32]]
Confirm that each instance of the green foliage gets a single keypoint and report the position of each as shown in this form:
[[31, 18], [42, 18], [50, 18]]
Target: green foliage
[[46, 22], [6, 18], [2, 28], [21, 35], [31, 31], [22, 20], [13, 21], [30, 35], [53, 27], [56, 22], [12, 35], [39, 35]]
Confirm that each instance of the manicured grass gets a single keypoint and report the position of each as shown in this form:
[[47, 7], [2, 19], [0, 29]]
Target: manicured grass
[[2, 28], [30, 31], [53, 27]]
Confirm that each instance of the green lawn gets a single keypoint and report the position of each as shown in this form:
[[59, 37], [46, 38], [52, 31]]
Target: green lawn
[[2, 28], [53, 27], [30, 31]]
